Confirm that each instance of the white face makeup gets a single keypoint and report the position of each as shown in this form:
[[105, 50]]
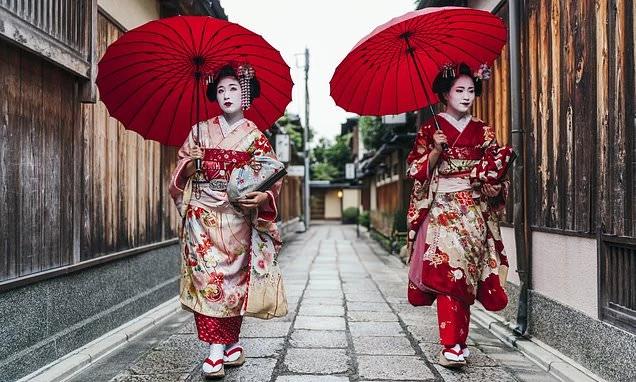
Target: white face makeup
[[228, 95], [461, 96]]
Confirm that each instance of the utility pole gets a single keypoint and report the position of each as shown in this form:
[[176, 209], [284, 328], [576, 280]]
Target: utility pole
[[306, 139]]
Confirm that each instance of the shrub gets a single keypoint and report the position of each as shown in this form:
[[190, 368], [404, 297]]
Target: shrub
[[364, 219], [350, 215], [399, 220]]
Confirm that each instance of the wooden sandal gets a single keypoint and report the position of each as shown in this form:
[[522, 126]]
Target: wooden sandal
[[449, 363], [214, 374], [237, 362]]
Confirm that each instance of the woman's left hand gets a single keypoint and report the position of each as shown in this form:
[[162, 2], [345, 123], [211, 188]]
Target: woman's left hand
[[253, 200], [491, 190]]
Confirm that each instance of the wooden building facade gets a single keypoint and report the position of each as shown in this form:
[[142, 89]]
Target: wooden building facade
[[386, 187], [77, 185], [577, 101], [84, 203]]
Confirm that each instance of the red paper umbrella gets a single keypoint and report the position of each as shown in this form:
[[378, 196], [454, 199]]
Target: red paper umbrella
[[153, 78], [391, 71]]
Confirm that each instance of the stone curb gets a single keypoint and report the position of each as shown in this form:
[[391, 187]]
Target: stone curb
[[546, 357], [68, 365]]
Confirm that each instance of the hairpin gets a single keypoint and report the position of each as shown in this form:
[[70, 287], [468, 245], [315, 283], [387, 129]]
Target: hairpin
[[245, 73], [209, 78], [448, 70]]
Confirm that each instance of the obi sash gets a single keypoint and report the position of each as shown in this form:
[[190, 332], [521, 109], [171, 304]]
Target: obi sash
[[469, 153], [219, 163]]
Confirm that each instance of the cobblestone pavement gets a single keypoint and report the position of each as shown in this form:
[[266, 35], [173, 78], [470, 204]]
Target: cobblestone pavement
[[349, 321]]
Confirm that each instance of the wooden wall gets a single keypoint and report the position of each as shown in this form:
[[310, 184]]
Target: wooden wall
[[290, 198], [37, 134], [494, 104], [74, 184], [578, 107], [64, 20], [388, 197], [126, 203], [578, 81]]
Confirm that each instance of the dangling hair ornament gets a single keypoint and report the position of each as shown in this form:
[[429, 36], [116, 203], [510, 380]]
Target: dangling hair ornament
[[245, 73], [448, 70], [483, 73], [209, 78]]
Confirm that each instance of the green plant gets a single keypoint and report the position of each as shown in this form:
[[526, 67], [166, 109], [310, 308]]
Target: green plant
[[323, 171], [381, 239], [372, 132], [399, 220], [350, 215], [364, 219]]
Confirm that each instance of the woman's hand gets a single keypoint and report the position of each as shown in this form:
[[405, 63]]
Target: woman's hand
[[491, 190], [439, 137], [196, 152], [253, 200]]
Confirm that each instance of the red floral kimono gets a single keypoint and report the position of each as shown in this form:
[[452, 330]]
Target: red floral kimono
[[453, 230], [215, 236]]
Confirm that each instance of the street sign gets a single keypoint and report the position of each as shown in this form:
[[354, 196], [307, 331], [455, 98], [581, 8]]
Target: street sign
[[394, 119], [298, 171], [282, 147], [350, 171]]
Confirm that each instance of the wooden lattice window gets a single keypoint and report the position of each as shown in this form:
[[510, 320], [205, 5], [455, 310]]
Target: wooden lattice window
[[617, 281]]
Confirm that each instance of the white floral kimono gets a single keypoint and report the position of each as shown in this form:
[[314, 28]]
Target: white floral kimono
[[215, 236]]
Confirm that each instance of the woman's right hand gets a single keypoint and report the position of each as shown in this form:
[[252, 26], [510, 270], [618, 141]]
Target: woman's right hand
[[439, 137], [196, 152]]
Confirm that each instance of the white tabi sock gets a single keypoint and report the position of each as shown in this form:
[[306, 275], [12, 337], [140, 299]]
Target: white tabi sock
[[234, 355], [216, 356]]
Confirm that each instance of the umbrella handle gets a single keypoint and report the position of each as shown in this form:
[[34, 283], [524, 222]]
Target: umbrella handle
[[197, 164], [437, 126]]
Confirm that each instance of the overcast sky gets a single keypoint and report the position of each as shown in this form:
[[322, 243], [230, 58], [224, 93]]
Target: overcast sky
[[329, 28]]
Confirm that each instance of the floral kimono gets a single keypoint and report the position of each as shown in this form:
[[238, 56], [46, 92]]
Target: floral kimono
[[453, 230], [215, 236]]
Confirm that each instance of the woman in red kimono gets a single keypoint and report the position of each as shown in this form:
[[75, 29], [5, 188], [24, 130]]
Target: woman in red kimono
[[453, 230], [215, 236]]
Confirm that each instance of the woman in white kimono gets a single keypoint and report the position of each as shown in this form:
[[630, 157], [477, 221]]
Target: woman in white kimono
[[215, 235]]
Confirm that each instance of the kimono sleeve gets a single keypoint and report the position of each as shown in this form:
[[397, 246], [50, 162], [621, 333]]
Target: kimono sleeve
[[268, 210], [418, 158], [493, 149]]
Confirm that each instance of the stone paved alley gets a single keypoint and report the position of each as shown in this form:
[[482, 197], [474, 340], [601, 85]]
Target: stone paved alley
[[349, 321]]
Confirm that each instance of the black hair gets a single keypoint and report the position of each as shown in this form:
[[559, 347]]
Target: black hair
[[228, 71], [444, 80]]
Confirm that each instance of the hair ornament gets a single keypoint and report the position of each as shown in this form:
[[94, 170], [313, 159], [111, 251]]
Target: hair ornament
[[245, 73], [448, 70], [483, 73], [209, 78]]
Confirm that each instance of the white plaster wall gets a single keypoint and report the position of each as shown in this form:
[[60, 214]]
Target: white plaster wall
[[333, 205], [508, 237], [131, 13], [350, 198], [564, 268]]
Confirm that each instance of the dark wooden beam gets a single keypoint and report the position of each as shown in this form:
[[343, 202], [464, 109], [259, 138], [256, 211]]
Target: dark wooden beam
[[192, 8]]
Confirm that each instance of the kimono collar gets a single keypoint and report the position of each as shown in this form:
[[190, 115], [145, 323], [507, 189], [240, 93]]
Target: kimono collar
[[459, 124], [226, 129]]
